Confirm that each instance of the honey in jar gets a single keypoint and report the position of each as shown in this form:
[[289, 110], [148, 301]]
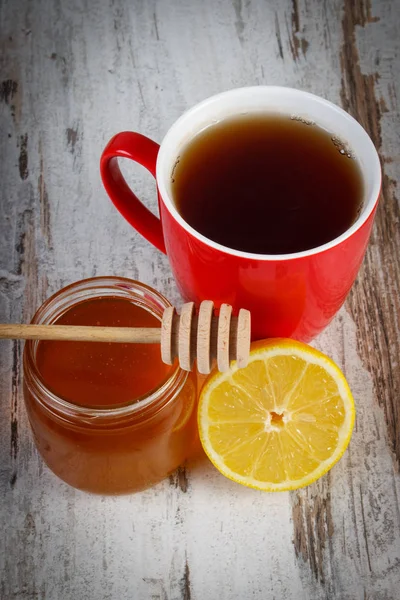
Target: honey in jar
[[108, 418]]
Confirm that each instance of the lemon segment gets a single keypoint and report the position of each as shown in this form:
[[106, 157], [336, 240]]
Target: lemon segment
[[279, 423]]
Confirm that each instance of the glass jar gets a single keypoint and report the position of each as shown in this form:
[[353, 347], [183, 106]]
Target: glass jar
[[118, 449]]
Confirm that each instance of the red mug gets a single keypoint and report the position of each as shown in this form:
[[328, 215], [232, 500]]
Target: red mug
[[289, 295]]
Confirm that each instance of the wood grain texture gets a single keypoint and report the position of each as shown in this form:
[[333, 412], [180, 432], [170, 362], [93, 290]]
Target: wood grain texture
[[375, 300], [74, 73]]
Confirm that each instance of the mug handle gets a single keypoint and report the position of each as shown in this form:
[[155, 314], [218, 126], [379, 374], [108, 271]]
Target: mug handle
[[144, 151]]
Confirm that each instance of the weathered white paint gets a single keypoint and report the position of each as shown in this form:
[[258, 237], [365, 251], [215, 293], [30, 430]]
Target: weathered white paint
[[85, 70]]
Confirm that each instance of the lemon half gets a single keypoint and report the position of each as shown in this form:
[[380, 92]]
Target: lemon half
[[279, 423]]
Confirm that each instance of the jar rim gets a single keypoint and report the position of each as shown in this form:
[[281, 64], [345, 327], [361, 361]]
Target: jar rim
[[75, 293]]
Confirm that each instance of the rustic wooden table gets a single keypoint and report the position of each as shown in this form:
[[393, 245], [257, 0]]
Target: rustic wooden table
[[74, 73]]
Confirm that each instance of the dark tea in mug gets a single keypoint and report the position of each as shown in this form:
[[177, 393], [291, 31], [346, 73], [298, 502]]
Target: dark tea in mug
[[267, 184]]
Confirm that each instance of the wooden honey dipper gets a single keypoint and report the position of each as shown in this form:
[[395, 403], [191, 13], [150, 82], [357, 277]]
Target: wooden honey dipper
[[187, 336]]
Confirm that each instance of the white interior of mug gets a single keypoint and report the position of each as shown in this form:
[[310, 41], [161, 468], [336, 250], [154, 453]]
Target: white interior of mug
[[276, 100]]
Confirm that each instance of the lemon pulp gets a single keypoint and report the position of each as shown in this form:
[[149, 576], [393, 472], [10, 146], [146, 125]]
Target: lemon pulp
[[281, 422]]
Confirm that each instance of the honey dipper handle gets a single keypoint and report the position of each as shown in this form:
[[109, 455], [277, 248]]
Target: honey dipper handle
[[82, 333]]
